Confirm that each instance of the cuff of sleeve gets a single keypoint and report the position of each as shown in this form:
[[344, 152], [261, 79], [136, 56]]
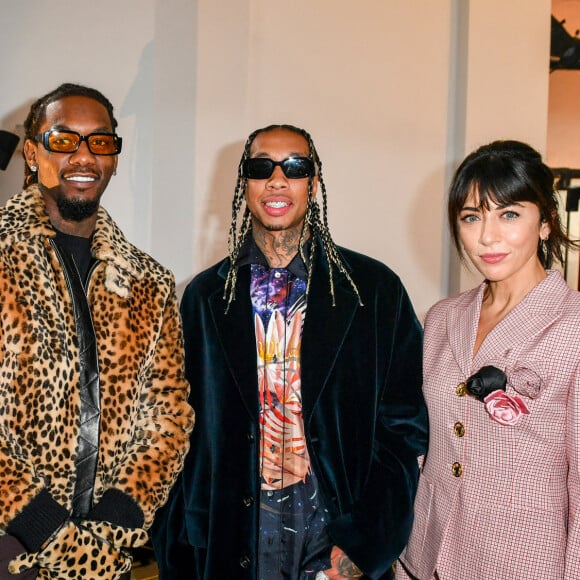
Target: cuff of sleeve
[[373, 550], [116, 507], [37, 521]]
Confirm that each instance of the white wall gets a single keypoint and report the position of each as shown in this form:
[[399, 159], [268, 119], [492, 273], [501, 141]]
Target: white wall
[[394, 93], [47, 42], [507, 76], [369, 84]]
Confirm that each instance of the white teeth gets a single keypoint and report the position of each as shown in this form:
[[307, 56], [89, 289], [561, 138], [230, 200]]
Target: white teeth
[[81, 178], [276, 204]]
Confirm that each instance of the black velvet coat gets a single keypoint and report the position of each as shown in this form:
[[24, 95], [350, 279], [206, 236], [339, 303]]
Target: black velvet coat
[[363, 411]]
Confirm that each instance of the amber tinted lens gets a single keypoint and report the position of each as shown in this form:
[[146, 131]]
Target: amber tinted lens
[[69, 142], [102, 144], [63, 142]]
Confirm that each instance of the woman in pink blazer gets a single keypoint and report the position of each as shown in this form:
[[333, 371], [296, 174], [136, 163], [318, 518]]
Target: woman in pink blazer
[[499, 491]]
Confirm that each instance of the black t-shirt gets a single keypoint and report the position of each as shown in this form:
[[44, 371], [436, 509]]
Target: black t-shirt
[[80, 250]]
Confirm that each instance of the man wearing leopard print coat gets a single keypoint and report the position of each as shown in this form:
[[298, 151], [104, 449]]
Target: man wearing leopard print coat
[[94, 419]]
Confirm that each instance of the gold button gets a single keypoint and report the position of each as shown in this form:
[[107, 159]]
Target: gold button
[[461, 390], [459, 429], [457, 469]]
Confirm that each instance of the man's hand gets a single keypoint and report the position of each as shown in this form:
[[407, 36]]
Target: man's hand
[[342, 566]]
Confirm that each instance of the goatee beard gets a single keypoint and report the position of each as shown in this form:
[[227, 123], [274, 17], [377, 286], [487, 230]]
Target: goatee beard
[[76, 210]]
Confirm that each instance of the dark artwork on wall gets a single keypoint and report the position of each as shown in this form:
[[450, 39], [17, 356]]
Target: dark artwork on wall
[[565, 55], [567, 186], [564, 48], [8, 142]]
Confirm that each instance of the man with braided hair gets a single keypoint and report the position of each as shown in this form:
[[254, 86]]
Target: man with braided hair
[[94, 419], [305, 366]]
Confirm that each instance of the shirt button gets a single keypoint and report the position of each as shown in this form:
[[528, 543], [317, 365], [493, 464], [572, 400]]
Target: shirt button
[[250, 437], [457, 469], [461, 390], [269, 493], [245, 562], [248, 501], [277, 274], [459, 429]]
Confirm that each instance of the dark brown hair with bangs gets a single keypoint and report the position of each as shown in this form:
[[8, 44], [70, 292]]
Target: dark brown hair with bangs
[[508, 172]]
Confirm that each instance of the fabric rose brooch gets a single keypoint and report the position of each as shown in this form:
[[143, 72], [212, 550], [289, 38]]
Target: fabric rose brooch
[[488, 385]]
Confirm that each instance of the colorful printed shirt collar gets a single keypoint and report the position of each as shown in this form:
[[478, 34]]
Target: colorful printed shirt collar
[[251, 254]]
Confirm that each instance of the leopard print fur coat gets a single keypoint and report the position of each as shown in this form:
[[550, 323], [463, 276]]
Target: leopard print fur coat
[[145, 417]]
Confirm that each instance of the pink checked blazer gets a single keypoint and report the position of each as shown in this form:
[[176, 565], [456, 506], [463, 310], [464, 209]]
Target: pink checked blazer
[[501, 502]]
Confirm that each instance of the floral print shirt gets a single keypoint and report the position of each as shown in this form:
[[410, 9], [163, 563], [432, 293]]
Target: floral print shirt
[[279, 305]]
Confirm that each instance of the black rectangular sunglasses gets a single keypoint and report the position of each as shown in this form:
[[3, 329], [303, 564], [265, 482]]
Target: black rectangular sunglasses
[[263, 167]]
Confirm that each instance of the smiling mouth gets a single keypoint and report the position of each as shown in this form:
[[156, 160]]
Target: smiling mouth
[[276, 204], [81, 178], [492, 258]]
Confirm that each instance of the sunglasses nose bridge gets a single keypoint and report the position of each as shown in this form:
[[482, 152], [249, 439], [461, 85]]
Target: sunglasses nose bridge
[[278, 173], [79, 149]]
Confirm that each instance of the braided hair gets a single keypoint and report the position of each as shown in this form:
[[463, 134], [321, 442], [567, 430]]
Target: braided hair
[[37, 115], [314, 222]]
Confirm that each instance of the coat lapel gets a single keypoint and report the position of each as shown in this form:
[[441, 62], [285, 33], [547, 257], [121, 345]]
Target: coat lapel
[[462, 323], [325, 327], [531, 316], [534, 313], [236, 333]]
